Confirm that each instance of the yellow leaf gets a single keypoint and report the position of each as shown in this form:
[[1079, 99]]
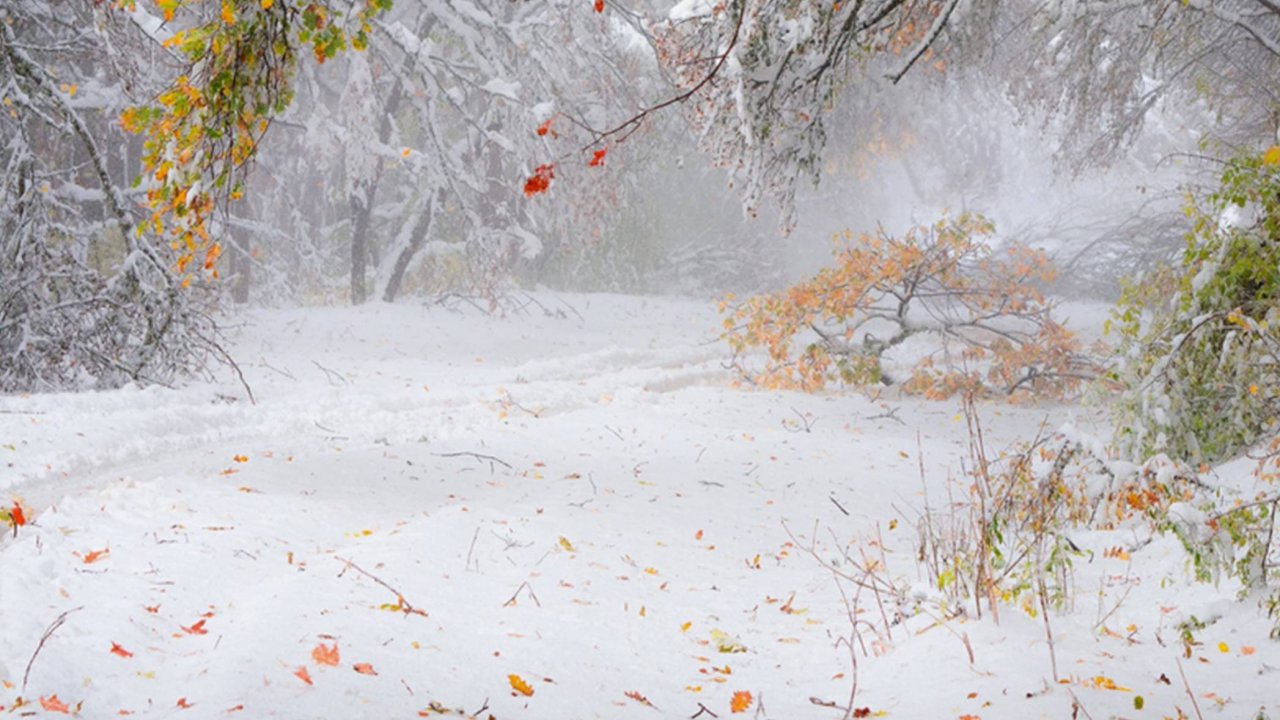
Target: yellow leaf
[[684, 627], [228, 12], [266, 4], [519, 685], [1223, 647], [1271, 156], [564, 543]]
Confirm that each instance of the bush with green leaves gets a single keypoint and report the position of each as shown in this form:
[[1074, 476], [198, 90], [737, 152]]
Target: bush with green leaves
[[1199, 362]]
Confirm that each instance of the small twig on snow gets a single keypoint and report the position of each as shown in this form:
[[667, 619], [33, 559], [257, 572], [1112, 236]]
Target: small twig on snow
[[402, 604], [48, 633], [523, 586]]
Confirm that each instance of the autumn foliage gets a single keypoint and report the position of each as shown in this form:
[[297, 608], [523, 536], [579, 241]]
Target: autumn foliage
[[990, 327]]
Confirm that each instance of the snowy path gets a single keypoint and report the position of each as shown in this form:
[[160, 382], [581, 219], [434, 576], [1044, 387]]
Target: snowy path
[[581, 501]]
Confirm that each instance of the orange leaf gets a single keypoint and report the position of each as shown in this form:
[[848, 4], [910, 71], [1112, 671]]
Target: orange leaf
[[697, 535], [16, 514], [182, 703], [326, 655], [53, 704], [970, 717], [1247, 650], [599, 6], [240, 458], [237, 708], [597, 158], [302, 674], [740, 702], [519, 685], [117, 650], [96, 555], [153, 609], [364, 669], [195, 629]]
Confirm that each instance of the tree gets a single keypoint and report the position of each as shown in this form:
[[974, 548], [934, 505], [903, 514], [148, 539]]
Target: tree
[[84, 299]]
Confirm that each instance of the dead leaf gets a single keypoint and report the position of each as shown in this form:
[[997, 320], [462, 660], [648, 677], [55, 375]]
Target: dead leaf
[[95, 555], [364, 669], [302, 674], [519, 685], [740, 701], [196, 629], [117, 650], [326, 654], [53, 704], [635, 695], [182, 703]]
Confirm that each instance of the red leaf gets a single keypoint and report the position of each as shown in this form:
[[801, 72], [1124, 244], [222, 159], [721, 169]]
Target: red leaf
[[325, 655], [541, 180], [53, 704], [302, 674], [364, 669], [599, 6], [96, 555], [182, 703], [597, 159], [16, 513], [545, 127], [196, 629], [117, 650], [237, 708]]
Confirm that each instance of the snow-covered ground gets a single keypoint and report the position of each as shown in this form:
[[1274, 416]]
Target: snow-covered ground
[[576, 497]]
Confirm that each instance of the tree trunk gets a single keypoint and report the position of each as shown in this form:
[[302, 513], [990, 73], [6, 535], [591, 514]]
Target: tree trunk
[[416, 239]]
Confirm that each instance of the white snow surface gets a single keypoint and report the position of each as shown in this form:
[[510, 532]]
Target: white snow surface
[[574, 495]]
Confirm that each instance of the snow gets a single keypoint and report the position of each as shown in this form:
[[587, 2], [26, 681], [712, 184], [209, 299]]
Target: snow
[[560, 491], [690, 9]]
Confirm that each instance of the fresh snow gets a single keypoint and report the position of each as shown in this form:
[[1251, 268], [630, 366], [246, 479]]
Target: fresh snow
[[573, 494]]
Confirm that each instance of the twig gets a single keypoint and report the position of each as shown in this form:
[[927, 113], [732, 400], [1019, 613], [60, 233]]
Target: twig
[[473, 547], [835, 502], [48, 633], [701, 710], [523, 586], [1075, 703], [284, 372], [1186, 685], [402, 604], [481, 457], [331, 374], [615, 433]]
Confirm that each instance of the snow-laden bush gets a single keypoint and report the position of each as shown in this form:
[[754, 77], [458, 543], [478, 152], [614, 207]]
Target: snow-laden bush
[[1199, 349]]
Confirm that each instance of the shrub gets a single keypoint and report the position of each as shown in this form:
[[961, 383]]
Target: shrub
[[1200, 371]]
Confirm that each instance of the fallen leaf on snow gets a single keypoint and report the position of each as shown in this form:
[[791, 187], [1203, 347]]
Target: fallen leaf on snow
[[53, 704], [519, 685], [94, 556], [117, 650], [195, 629], [364, 669], [326, 654], [302, 674], [740, 701]]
